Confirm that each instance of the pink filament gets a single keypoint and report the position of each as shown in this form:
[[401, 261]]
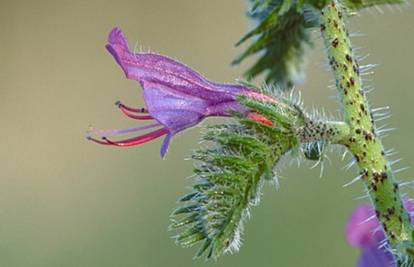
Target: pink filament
[[132, 141], [123, 131], [136, 117]]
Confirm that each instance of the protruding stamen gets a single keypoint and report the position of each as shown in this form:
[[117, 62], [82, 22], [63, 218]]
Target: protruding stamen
[[132, 116], [136, 110], [132, 141]]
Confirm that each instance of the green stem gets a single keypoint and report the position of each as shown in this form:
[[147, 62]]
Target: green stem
[[363, 141], [333, 132]]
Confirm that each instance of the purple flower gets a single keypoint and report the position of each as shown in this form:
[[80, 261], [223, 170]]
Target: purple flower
[[363, 230], [176, 96]]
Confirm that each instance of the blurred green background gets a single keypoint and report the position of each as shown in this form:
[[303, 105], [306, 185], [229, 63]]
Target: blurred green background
[[67, 202]]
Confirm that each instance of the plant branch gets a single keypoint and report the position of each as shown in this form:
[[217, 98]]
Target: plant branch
[[334, 132], [363, 141]]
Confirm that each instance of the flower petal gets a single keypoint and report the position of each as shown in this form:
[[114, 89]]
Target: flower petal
[[161, 69], [361, 225], [175, 95], [363, 230], [375, 257], [172, 109], [165, 144]]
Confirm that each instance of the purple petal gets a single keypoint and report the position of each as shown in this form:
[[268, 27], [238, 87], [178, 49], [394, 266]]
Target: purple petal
[[361, 226], [165, 144], [173, 110], [363, 230], [409, 206], [160, 69], [375, 257], [175, 95]]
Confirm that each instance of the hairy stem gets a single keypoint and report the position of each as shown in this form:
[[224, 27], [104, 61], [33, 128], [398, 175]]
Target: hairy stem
[[329, 131], [363, 141]]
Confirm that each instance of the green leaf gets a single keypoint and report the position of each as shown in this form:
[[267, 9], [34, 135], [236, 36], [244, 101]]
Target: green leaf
[[270, 21], [281, 38]]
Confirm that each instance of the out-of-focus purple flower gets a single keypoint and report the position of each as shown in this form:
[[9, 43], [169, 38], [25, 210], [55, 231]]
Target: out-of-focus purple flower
[[176, 96], [363, 230]]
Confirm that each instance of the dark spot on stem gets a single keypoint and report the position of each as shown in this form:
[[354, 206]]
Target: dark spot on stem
[[384, 176], [395, 189], [335, 43], [352, 81]]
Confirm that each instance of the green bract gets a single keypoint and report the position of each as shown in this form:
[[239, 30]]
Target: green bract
[[228, 179]]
